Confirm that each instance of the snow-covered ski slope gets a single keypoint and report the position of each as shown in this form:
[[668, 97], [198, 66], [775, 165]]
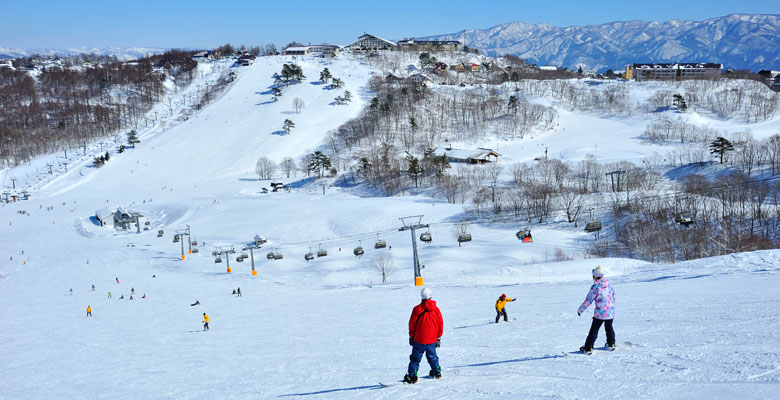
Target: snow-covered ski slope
[[327, 328]]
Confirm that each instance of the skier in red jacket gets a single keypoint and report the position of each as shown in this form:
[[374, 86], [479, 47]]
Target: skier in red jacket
[[425, 329]]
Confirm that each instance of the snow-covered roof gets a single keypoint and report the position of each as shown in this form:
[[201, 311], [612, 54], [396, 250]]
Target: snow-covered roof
[[461, 154], [103, 213], [305, 48], [679, 66], [376, 37]]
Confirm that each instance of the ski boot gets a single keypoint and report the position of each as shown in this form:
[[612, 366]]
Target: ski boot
[[410, 379], [586, 350], [435, 373], [610, 346]]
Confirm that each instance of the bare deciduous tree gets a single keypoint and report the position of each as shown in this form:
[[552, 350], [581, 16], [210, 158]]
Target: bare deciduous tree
[[383, 262], [288, 166], [265, 168], [298, 105]]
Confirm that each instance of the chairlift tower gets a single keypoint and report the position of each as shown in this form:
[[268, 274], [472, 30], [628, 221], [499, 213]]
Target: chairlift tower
[[252, 246], [412, 226], [227, 251], [183, 232]]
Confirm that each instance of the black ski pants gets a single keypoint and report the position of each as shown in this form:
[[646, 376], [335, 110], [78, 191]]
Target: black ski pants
[[500, 313], [594, 332]]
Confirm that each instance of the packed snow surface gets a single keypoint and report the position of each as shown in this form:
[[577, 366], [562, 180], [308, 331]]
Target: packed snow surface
[[328, 328]]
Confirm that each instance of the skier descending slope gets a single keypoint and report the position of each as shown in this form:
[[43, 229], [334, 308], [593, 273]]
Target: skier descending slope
[[501, 307], [425, 329], [603, 295]]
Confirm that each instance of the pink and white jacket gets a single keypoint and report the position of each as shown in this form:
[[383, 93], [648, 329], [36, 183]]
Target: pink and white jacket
[[604, 296]]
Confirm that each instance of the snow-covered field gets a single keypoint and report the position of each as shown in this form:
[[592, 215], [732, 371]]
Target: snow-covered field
[[329, 328]]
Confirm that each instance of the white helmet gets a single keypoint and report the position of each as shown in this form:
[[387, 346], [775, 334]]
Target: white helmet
[[426, 294]]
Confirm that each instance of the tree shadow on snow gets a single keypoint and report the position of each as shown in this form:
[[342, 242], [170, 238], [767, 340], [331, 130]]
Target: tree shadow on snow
[[279, 132], [266, 102], [266, 93], [488, 364], [372, 387]]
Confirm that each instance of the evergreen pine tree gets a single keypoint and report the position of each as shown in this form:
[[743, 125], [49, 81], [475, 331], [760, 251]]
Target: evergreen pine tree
[[132, 138], [288, 125], [414, 170], [720, 146]]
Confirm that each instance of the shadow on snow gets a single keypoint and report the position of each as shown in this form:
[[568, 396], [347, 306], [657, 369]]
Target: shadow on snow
[[372, 387]]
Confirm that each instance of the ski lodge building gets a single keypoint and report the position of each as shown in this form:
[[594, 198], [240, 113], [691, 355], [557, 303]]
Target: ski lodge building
[[673, 72], [479, 156]]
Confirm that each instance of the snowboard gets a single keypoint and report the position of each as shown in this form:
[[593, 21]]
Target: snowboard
[[600, 349], [422, 379]]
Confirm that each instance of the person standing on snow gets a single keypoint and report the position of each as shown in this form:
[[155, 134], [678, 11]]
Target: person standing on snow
[[603, 295], [425, 329], [205, 322], [238, 291], [89, 311], [501, 307]]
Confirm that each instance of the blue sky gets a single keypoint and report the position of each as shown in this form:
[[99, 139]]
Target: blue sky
[[207, 24]]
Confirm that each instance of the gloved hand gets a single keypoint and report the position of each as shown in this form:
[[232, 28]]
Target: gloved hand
[[578, 313], [411, 342], [438, 342]]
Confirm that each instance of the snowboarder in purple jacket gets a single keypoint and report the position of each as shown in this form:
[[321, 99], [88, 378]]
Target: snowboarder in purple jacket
[[603, 295]]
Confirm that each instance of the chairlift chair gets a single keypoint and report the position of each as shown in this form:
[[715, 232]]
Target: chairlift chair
[[593, 226], [239, 259], [270, 255], [322, 252], [176, 238], [464, 237], [218, 260], [278, 256], [426, 237], [380, 244], [214, 253], [308, 256], [358, 251], [194, 251], [159, 233]]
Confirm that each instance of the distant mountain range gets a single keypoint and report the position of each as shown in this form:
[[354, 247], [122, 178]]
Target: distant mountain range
[[739, 41], [122, 53]]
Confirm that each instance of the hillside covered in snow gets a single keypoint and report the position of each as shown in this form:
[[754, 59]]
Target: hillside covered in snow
[[329, 327]]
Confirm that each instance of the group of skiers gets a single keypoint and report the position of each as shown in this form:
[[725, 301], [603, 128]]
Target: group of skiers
[[426, 324]]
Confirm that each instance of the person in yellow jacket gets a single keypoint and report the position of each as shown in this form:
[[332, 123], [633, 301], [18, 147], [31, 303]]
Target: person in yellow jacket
[[205, 322], [89, 311], [501, 307]]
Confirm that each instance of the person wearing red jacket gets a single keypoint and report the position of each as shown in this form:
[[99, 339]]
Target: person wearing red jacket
[[425, 329]]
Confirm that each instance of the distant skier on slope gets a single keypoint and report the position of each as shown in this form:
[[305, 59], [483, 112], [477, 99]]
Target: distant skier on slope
[[205, 322], [89, 311], [195, 303], [425, 329], [603, 295], [501, 307]]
